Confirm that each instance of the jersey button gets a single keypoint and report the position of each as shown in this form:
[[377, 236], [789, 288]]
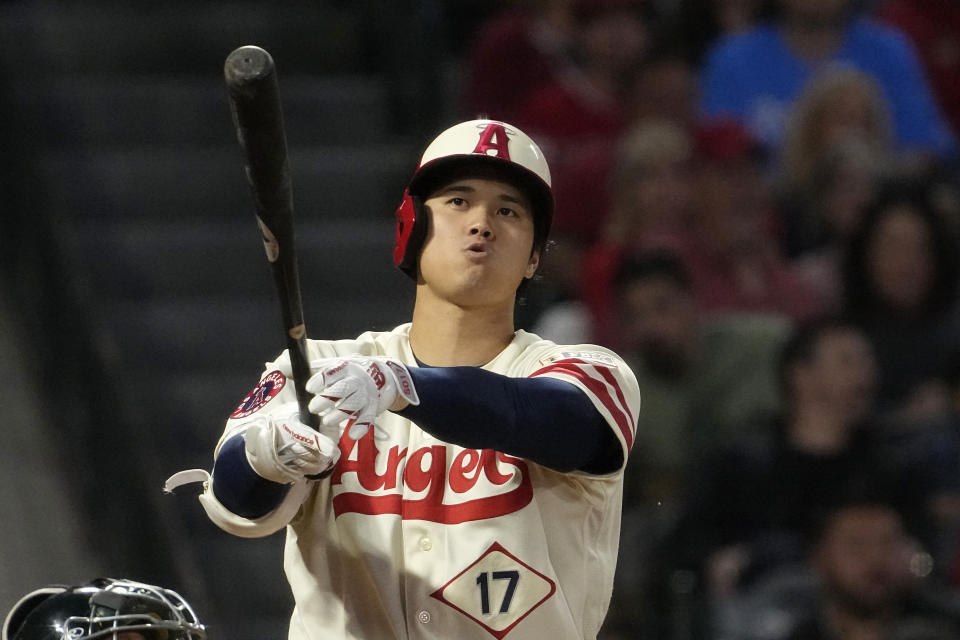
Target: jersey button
[[426, 544], [423, 617]]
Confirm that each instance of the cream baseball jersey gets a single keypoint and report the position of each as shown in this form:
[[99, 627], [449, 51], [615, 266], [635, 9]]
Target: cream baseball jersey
[[412, 537]]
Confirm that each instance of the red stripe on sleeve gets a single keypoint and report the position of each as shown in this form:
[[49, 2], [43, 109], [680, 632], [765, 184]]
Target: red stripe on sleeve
[[612, 381], [597, 388]]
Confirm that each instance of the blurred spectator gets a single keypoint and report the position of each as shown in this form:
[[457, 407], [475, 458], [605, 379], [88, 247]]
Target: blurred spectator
[[732, 247], [845, 182], [703, 381], [752, 503], [934, 28], [837, 149], [839, 104], [939, 445], [900, 285], [650, 207], [580, 115], [531, 38], [756, 76], [650, 185], [664, 87], [870, 572], [900, 279]]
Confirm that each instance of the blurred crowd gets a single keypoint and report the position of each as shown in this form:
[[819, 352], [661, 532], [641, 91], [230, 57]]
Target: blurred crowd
[[758, 205]]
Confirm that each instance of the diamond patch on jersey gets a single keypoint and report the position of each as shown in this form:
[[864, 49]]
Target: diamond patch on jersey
[[497, 591], [269, 386]]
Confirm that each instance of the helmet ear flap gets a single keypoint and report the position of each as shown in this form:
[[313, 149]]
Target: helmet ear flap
[[412, 223]]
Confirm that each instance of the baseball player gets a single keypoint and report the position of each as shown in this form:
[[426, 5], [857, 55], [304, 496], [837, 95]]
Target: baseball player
[[466, 478]]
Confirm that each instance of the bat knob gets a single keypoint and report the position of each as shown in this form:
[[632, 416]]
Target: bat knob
[[247, 65]]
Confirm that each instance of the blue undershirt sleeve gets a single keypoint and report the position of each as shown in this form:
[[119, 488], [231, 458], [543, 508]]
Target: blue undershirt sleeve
[[545, 420], [238, 487]]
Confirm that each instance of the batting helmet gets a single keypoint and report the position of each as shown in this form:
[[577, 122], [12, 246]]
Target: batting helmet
[[476, 147], [104, 608]]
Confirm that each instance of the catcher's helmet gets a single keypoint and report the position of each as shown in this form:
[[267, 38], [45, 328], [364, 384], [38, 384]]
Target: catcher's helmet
[[476, 147], [104, 608]]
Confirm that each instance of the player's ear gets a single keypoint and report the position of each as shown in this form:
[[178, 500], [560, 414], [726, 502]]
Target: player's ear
[[532, 264]]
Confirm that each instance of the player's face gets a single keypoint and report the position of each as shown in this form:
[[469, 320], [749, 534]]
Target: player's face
[[478, 247]]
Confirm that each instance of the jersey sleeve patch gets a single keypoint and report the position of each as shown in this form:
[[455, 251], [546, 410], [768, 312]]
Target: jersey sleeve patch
[[597, 377], [270, 385], [593, 357]]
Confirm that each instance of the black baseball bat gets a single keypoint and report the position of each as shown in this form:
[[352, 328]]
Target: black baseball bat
[[254, 91]]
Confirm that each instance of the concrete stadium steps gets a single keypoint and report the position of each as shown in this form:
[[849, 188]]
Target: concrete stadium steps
[[195, 404], [180, 301], [178, 110], [162, 182], [179, 334], [63, 37], [141, 259]]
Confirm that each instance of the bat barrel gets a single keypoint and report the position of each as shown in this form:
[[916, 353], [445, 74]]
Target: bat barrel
[[254, 92], [251, 80]]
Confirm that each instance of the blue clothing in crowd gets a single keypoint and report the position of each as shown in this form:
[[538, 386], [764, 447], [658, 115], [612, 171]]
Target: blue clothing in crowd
[[755, 78]]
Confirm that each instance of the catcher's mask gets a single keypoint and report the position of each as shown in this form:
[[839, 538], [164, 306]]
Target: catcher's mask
[[104, 608]]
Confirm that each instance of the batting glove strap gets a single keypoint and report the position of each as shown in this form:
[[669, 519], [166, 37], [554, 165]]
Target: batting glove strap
[[259, 527], [232, 523], [284, 450], [357, 390]]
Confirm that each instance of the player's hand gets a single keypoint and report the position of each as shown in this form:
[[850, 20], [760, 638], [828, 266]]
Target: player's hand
[[358, 389], [281, 448]]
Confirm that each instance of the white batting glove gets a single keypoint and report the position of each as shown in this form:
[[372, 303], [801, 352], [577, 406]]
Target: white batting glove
[[358, 389], [283, 449]]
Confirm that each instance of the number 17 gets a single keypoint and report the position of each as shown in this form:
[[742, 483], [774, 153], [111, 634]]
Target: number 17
[[482, 581]]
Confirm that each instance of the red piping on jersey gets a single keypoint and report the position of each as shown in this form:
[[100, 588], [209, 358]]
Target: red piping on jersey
[[607, 375]]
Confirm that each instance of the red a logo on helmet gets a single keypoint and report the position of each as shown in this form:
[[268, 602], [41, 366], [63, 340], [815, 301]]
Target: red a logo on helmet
[[494, 136]]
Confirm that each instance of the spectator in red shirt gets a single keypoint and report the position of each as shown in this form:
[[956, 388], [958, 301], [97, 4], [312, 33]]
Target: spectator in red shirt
[[650, 208], [731, 248], [531, 39]]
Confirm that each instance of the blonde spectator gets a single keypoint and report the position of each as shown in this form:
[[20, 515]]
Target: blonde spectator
[[838, 105], [757, 76], [839, 146], [817, 222]]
